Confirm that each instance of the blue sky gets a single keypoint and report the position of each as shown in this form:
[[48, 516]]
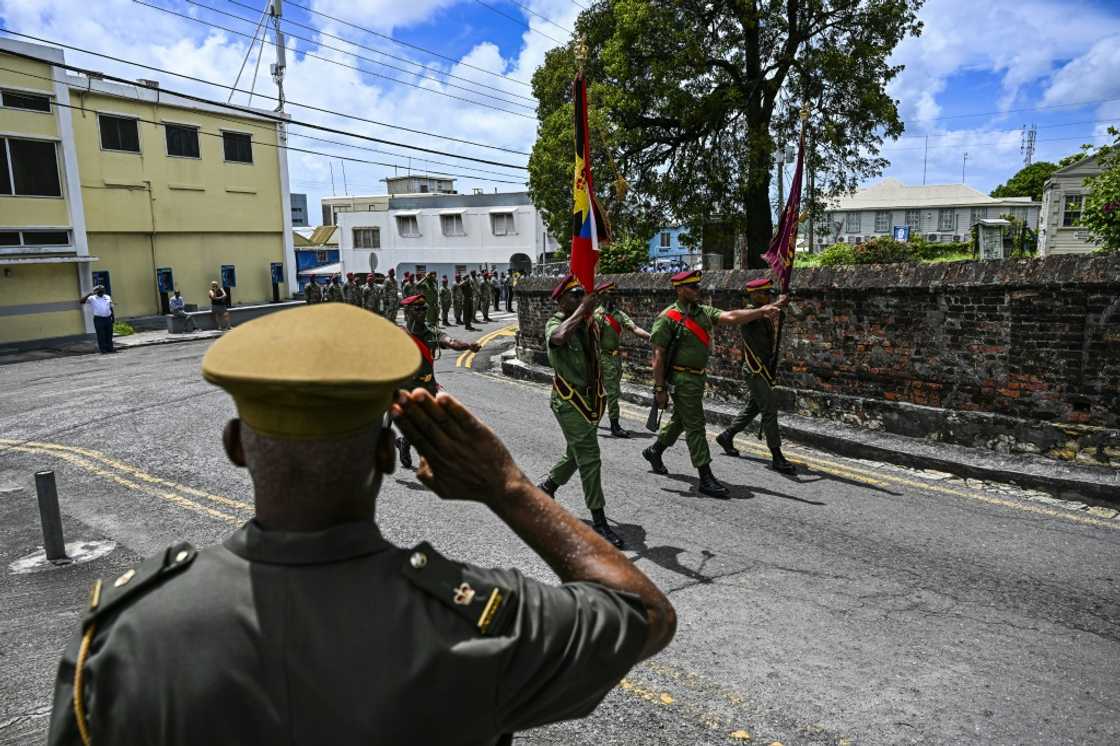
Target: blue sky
[[979, 72]]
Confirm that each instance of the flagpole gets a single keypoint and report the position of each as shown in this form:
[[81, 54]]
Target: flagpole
[[788, 278]]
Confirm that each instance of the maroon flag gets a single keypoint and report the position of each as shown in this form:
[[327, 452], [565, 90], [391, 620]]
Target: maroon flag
[[780, 254]]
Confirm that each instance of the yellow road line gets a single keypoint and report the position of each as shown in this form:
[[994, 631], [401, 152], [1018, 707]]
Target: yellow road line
[[466, 358], [166, 495]]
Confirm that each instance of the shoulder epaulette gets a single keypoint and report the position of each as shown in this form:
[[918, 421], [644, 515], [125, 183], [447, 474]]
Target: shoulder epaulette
[[489, 608], [108, 597]]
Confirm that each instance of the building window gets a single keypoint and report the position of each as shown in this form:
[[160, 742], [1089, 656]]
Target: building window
[[119, 133], [28, 101], [408, 226], [238, 147], [34, 238], [976, 214], [946, 220], [452, 225], [914, 219], [666, 240], [29, 168], [883, 221], [182, 141], [502, 224], [322, 256], [423, 188], [851, 222], [1071, 209], [460, 269], [367, 238]]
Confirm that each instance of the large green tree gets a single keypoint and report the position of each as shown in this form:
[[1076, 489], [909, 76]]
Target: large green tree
[[1101, 213], [1028, 182], [692, 98]]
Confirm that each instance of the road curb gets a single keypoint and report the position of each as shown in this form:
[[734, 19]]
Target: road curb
[[1091, 485]]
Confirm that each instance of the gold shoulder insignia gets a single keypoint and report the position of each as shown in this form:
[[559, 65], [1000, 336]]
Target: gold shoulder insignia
[[488, 607]]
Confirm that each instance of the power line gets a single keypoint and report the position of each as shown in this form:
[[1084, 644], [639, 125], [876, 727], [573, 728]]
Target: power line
[[249, 50], [546, 19], [417, 47], [291, 148], [405, 60], [969, 142], [517, 20], [328, 60], [1043, 127], [309, 107], [399, 155], [1030, 108]]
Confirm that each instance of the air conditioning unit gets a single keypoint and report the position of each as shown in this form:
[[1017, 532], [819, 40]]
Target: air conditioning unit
[[957, 239], [932, 238]]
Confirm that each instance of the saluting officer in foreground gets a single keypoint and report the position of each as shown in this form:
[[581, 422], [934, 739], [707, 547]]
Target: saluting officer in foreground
[[758, 358], [683, 332], [429, 340], [577, 398], [612, 320], [306, 626]]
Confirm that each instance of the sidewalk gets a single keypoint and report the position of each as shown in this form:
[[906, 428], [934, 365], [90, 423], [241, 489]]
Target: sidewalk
[[1068, 481], [162, 337]]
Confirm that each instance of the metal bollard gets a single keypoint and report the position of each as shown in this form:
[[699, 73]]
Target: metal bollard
[[52, 520]]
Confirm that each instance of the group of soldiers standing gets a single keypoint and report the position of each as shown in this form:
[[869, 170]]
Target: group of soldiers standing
[[470, 296], [583, 338]]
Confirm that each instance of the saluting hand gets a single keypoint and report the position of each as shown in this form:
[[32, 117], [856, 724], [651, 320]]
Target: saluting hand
[[475, 347], [771, 311], [460, 457]]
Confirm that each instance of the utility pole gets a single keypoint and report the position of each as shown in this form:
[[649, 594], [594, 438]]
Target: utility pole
[[925, 160], [281, 65], [964, 162], [1026, 143], [331, 167]]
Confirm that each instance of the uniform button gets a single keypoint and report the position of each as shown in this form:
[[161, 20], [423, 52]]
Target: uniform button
[[182, 555], [418, 560], [123, 579]]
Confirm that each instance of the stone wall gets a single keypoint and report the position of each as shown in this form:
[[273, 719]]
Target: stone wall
[[1019, 356]]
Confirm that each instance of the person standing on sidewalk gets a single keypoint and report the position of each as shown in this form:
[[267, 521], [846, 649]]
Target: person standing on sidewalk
[[578, 398], [102, 305], [262, 639], [612, 320], [687, 327], [219, 306], [758, 355]]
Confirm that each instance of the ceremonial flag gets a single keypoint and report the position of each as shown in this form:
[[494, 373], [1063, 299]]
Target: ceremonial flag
[[780, 254], [589, 226]]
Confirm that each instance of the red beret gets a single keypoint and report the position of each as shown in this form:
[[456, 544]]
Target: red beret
[[569, 282], [762, 283], [349, 275], [414, 300], [605, 286], [688, 277]]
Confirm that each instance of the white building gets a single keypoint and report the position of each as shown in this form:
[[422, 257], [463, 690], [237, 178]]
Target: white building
[[937, 213], [1063, 198], [444, 233]]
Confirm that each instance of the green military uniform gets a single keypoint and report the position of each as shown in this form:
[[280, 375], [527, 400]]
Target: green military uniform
[[470, 298], [285, 637], [374, 298], [687, 378], [577, 402], [427, 288], [445, 303], [485, 297], [352, 292], [457, 300], [758, 349], [610, 338], [391, 299], [313, 293], [408, 288], [334, 293]]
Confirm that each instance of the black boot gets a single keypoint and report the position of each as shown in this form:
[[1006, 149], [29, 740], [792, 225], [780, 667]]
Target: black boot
[[599, 523], [709, 485], [617, 431], [726, 441], [548, 487], [779, 464], [405, 451], [653, 456]]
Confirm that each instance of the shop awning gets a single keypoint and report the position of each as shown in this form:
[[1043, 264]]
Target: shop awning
[[324, 269], [9, 260]]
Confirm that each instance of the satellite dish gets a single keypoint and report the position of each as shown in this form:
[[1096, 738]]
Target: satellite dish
[[372, 262]]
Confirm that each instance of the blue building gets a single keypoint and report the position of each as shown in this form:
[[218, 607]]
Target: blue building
[[665, 248]]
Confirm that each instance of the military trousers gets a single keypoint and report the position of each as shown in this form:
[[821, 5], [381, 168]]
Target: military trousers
[[391, 307], [688, 417], [611, 365], [446, 310], [457, 309], [582, 452], [469, 311], [762, 400]]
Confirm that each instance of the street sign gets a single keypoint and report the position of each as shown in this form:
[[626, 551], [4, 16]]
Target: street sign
[[901, 233], [229, 276], [277, 273], [165, 281]]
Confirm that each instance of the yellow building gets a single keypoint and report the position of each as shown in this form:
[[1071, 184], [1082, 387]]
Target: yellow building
[[156, 190]]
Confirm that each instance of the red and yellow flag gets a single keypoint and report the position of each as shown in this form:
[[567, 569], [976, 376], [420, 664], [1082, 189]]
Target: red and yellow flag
[[589, 226]]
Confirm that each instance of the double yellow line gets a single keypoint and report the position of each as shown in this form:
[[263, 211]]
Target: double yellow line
[[466, 359], [183, 496]]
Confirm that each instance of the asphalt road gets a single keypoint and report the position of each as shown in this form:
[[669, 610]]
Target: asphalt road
[[853, 603]]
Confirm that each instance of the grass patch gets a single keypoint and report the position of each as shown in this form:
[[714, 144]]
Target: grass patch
[[122, 329]]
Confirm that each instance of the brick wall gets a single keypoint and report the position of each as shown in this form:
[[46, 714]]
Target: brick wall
[[1016, 356]]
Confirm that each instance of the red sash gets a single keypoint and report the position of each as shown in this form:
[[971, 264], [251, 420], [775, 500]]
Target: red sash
[[691, 325], [614, 324], [427, 353]]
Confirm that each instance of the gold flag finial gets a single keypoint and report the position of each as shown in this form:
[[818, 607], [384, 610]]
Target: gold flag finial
[[581, 50], [805, 112]]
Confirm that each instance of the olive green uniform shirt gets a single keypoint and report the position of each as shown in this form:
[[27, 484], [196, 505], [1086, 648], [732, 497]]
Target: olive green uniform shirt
[[609, 339], [570, 361], [313, 293], [691, 352], [339, 637], [334, 293]]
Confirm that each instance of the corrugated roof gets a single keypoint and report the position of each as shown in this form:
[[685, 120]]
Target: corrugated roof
[[893, 194], [324, 234]]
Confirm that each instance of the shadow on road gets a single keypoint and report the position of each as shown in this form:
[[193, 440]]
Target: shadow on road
[[735, 491], [667, 557], [804, 471]]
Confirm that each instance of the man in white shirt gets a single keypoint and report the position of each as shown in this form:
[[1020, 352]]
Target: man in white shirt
[[177, 306], [102, 305]]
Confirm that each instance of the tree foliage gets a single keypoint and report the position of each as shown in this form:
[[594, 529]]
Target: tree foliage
[[624, 254], [1028, 182], [1101, 211], [693, 97]]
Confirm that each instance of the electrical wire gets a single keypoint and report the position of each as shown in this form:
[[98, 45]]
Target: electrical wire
[[546, 19], [405, 60], [1009, 131], [277, 146], [328, 60], [409, 45], [309, 107], [399, 155], [249, 51], [517, 20]]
